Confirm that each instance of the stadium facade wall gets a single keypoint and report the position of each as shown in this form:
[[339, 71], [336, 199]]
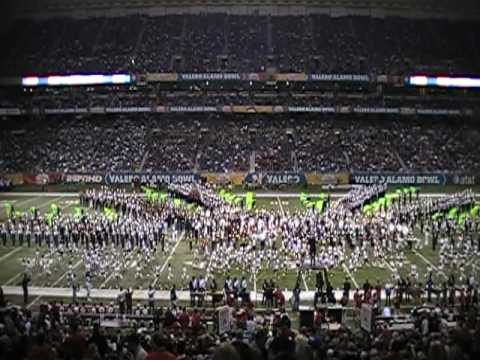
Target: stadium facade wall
[[268, 178], [460, 9], [253, 109]]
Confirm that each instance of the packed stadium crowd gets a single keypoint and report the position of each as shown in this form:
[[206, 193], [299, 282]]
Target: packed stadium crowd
[[220, 42], [184, 142], [113, 240], [58, 334]]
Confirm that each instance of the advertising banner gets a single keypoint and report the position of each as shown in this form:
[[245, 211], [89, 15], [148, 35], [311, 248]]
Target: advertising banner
[[42, 178], [311, 109], [290, 77], [160, 77], [366, 317], [314, 178], [15, 179], [121, 178], [339, 77], [276, 178], [150, 178], [224, 320], [82, 178], [463, 179], [366, 178], [208, 76], [192, 108], [376, 110]]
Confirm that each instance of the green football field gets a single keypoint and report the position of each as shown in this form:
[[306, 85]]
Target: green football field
[[178, 255]]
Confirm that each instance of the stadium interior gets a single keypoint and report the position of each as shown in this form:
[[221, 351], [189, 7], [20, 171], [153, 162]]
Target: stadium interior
[[219, 179]]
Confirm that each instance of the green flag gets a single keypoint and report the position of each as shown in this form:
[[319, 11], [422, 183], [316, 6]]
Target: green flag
[[9, 209], [319, 205], [77, 212], [177, 202], [475, 211], [437, 215], [162, 197], [54, 209], [49, 218], [110, 214], [452, 213], [249, 200], [382, 202], [303, 197], [461, 219]]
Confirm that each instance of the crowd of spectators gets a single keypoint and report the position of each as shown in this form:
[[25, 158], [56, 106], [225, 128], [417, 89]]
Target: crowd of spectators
[[220, 42], [68, 332], [227, 142]]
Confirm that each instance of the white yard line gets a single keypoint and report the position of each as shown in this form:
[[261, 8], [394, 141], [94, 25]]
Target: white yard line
[[7, 255], [351, 276], [304, 282], [388, 265], [20, 203], [209, 263], [428, 262], [281, 206], [45, 204], [77, 264], [172, 252], [12, 279], [169, 257], [129, 263]]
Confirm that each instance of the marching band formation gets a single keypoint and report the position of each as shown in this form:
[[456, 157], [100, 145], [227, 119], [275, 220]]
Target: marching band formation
[[224, 238]]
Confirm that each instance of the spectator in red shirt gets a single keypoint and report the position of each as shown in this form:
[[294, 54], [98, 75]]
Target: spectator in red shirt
[[195, 320], [75, 345], [280, 297], [159, 348], [183, 318], [40, 350]]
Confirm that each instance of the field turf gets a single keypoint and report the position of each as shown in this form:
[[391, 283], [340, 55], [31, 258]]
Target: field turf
[[179, 256]]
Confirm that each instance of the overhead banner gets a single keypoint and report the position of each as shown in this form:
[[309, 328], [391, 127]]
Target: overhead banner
[[289, 77], [208, 76], [276, 178], [375, 110], [250, 109], [339, 77], [312, 109], [121, 178], [398, 178], [192, 108]]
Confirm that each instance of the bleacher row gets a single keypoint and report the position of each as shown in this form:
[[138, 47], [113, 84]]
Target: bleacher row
[[242, 43]]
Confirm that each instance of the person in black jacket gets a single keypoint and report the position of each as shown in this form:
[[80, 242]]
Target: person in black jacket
[[25, 282]]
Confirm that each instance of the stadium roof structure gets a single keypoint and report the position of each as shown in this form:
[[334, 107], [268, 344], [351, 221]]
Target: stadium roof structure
[[33, 6]]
